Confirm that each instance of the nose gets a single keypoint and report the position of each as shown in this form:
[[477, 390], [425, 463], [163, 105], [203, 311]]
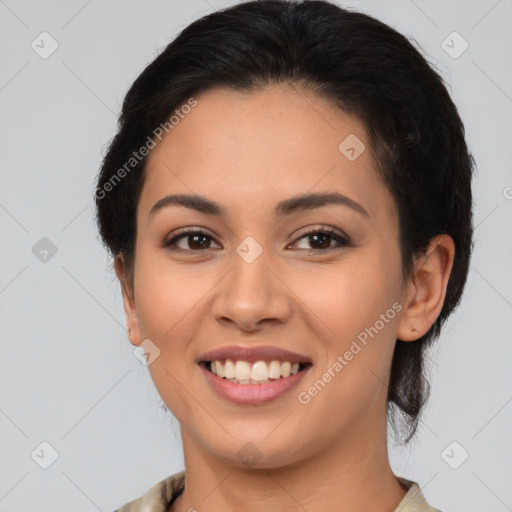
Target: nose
[[251, 295]]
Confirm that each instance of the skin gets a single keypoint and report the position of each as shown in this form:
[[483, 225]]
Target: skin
[[248, 152]]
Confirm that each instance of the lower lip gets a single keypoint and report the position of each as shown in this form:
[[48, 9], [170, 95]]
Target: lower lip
[[252, 393]]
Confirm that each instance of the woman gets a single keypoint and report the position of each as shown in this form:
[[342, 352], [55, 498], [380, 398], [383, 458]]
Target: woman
[[288, 204]]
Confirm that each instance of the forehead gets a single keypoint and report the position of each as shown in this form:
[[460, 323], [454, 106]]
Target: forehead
[[251, 150]]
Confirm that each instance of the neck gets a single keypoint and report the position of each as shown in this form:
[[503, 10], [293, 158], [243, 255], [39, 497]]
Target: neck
[[351, 475]]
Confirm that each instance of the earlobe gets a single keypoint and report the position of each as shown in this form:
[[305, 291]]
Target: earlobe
[[128, 301], [424, 298]]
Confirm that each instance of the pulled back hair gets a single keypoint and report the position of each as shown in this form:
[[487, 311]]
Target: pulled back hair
[[360, 64]]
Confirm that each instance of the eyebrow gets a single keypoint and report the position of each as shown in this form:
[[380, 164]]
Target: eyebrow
[[288, 206]]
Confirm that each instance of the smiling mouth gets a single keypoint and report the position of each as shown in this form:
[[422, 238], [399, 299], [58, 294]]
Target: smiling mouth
[[259, 372]]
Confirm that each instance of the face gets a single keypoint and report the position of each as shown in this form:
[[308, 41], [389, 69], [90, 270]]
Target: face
[[254, 275]]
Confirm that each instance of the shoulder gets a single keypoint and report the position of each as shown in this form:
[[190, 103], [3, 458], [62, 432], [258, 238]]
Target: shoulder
[[414, 500], [158, 497]]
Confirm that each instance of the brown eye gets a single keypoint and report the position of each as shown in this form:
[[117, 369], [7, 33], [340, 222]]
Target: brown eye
[[195, 241], [321, 240]]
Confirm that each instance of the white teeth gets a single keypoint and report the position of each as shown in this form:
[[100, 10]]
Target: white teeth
[[260, 372], [229, 369], [242, 370], [220, 368], [274, 371], [286, 368]]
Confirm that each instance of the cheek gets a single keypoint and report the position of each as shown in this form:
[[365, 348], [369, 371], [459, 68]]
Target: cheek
[[358, 302], [168, 296], [351, 296]]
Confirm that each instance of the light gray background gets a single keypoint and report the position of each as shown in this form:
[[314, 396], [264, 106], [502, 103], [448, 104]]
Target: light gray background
[[68, 375]]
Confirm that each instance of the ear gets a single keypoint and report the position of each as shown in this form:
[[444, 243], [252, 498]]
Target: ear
[[425, 292], [130, 312]]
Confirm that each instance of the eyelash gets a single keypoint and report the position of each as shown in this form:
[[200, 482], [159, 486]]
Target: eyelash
[[342, 240]]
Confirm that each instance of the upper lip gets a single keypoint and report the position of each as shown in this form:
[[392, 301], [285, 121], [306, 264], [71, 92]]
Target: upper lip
[[251, 354]]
